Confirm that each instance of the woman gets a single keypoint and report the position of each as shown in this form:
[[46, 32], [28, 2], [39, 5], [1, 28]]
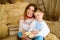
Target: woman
[[26, 21]]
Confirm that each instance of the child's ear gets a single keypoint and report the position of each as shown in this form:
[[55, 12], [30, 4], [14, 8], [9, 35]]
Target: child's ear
[[42, 13]]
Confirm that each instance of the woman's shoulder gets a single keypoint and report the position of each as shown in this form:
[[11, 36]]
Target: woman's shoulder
[[21, 20], [21, 17]]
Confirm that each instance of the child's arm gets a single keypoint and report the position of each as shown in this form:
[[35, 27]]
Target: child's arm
[[44, 30], [35, 31]]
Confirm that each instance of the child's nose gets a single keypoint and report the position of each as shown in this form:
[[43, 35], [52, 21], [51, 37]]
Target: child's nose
[[37, 17]]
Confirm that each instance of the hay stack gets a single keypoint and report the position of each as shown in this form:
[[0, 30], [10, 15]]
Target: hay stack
[[10, 14], [14, 12], [3, 22], [3, 15], [51, 37], [3, 30], [54, 27]]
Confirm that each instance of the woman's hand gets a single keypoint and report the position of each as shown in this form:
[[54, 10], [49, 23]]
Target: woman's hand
[[31, 35], [24, 35]]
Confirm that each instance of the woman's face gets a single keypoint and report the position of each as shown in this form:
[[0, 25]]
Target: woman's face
[[30, 11]]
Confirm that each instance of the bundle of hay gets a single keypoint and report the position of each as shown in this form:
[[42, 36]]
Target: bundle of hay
[[3, 22], [10, 14], [3, 30], [14, 12], [54, 27], [3, 15], [51, 37]]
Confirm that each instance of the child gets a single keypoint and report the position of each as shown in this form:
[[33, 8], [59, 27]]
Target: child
[[41, 28]]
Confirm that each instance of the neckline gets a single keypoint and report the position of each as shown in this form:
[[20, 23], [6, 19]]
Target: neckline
[[29, 22]]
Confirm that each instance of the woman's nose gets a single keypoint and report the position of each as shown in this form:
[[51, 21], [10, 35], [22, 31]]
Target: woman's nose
[[29, 10]]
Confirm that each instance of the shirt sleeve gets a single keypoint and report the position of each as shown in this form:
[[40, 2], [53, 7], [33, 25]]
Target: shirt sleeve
[[39, 26], [44, 31], [20, 25]]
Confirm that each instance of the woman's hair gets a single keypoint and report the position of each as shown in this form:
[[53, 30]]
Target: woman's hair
[[31, 4]]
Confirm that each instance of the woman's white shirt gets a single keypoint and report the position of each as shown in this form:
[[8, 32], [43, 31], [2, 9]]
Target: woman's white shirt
[[26, 27]]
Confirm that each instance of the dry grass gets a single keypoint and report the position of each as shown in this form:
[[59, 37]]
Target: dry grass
[[54, 27]]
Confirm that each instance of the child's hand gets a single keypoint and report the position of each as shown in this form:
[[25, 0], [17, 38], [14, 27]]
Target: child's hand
[[35, 31]]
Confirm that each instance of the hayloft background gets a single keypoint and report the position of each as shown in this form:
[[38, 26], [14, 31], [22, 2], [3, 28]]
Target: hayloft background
[[11, 10]]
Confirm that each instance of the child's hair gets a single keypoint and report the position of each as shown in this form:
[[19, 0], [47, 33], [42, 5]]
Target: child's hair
[[40, 10]]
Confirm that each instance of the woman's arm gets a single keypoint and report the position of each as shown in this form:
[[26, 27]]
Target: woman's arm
[[35, 32], [22, 30], [23, 34], [21, 25]]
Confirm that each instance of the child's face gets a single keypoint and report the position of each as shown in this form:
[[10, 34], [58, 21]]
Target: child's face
[[38, 15]]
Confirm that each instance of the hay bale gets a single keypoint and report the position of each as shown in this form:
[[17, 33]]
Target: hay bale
[[3, 15], [3, 30], [54, 27], [11, 38], [51, 26], [57, 29], [14, 11], [51, 37]]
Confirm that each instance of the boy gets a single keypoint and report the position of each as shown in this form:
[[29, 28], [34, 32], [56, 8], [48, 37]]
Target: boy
[[41, 28]]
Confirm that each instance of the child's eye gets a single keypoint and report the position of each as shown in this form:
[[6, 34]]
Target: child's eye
[[37, 15]]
